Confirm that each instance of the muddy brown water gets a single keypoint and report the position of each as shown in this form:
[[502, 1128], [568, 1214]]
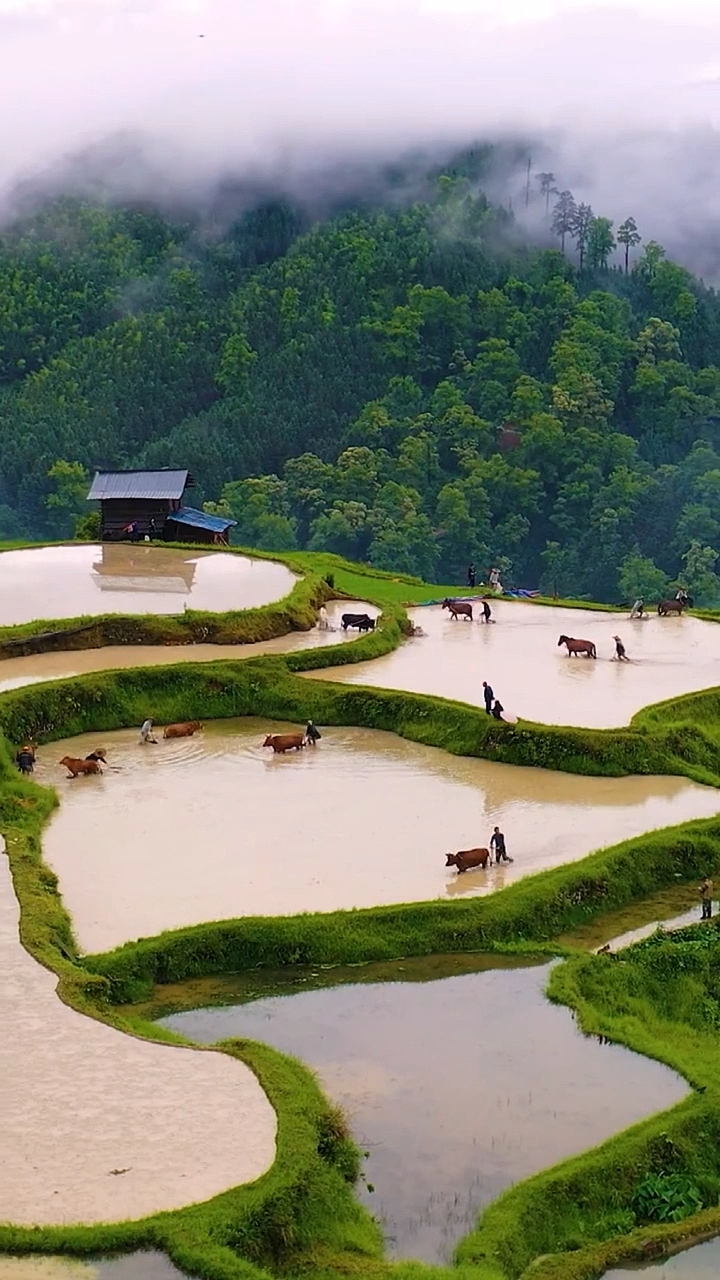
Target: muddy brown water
[[72, 581], [98, 1126], [146, 1265], [457, 1088], [518, 655], [216, 826], [16, 672], [700, 1263]]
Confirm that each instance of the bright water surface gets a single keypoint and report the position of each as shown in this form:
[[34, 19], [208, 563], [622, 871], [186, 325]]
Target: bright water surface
[[700, 1263], [98, 1126], [68, 582], [457, 1088], [147, 1265], [215, 826], [534, 679], [15, 672]]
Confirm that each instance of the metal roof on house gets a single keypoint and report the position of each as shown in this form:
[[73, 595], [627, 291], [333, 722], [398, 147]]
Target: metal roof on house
[[201, 520], [139, 484]]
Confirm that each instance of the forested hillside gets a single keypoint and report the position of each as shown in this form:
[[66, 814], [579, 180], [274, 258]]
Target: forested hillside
[[412, 386]]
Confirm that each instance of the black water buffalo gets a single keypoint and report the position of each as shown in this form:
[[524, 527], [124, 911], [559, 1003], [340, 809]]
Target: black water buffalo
[[359, 620]]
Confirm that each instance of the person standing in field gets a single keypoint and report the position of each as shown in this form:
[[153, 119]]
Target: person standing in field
[[706, 893], [488, 695], [471, 575], [146, 732], [620, 653], [497, 842]]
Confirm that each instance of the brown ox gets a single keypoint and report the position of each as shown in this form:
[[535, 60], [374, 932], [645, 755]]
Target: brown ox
[[285, 742], [74, 767], [468, 858], [185, 730]]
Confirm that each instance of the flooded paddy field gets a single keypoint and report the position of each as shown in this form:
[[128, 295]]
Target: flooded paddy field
[[700, 1263], [216, 826], [671, 908], [71, 581], [518, 655], [98, 1126], [456, 1087], [145, 1265], [37, 668]]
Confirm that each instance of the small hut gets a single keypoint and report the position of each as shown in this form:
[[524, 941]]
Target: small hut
[[140, 504], [190, 525], [141, 498]]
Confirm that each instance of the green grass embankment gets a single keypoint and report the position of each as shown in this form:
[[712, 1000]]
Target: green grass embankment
[[661, 998], [296, 612], [305, 1219], [303, 1206]]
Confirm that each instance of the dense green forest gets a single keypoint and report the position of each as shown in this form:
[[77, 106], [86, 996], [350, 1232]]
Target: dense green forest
[[414, 386]]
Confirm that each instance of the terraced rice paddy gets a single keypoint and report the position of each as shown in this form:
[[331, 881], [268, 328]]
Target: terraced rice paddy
[[456, 1088], [216, 826], [73, 581], [534, 679]]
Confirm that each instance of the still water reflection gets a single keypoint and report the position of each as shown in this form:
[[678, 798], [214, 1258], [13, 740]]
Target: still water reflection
[[457, 1088], [700, 1263], [68, 582], [147, 1265], [518, 655], [215, 826]]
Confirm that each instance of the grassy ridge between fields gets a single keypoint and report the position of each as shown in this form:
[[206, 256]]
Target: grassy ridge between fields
[[301, 1216], [296, 612]]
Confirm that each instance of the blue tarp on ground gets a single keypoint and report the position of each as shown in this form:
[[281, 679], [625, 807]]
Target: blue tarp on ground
[[201, 520]]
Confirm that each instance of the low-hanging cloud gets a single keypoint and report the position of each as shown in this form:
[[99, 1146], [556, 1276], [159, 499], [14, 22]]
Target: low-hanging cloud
[[148, 99]]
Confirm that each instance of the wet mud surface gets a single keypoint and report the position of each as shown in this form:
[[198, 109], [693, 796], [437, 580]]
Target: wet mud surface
[[518, 655], [98, 1126], [72, 581], [217, 826], [16, 672], [457, 1088]]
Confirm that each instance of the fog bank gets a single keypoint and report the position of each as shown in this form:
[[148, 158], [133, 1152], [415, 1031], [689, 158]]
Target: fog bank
[[146, 99]]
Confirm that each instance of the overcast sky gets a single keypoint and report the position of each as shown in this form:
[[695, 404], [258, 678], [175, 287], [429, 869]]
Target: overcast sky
[[628, 95]]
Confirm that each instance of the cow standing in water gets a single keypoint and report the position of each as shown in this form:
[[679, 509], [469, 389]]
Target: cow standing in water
[[458, 609], [362, 621], [577, 647], [468, 858], [282, 742]]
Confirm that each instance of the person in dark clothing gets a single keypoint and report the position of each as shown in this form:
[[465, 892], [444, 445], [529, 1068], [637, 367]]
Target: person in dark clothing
[[471, 576], [706, 893], [488, 695], [98, 754], [620, 653], [152, 531], [312, 735], [25, 759], [498, 709], [486, 612], [497, 842]]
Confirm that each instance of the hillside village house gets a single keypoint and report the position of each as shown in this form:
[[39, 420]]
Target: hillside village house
[[153, 501]]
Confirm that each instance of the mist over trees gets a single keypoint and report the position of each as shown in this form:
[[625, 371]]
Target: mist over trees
[[413, 386]]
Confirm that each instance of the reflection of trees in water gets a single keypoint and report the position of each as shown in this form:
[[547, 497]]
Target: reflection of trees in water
[[138, 567]]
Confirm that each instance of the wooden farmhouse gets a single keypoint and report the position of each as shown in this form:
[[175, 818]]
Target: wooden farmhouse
[[135, 505]]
